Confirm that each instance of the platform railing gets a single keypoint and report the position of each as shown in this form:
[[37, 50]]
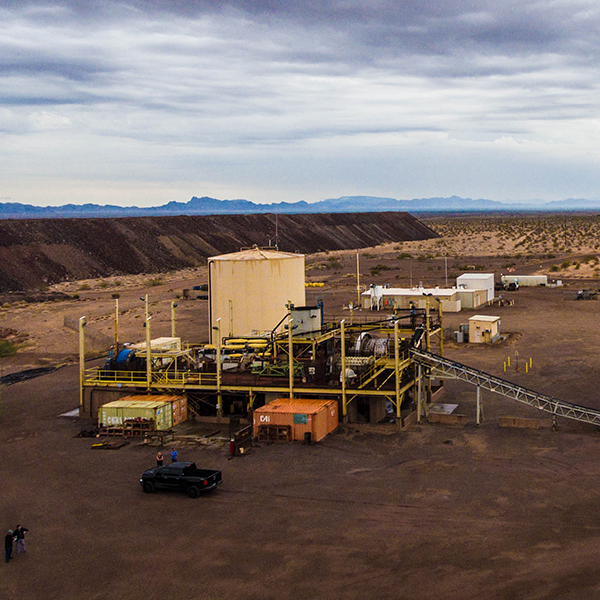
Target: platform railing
[[165, 378]]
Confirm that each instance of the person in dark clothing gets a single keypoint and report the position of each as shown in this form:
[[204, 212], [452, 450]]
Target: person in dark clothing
[[159, 459], [20, 537], [8, 544]]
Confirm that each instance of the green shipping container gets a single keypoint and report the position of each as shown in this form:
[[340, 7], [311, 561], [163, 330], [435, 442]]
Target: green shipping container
[[115, 413]]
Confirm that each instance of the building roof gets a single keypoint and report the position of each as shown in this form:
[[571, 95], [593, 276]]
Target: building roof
[[487, 318], [256, 254], [476, 276], [415, 292]]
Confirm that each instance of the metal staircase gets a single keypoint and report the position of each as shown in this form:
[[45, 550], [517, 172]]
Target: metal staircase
[[456, 370]]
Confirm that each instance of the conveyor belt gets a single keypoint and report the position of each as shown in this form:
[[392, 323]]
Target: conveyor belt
[[456, 370]]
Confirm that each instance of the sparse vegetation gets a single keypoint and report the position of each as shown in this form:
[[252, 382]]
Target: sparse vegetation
[[378, 269], [7, 349], [153, 281]]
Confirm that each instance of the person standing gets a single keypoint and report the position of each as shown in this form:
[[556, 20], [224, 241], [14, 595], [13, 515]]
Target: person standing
[[20, 537], [159, 459], [8, 544], [173, 455]]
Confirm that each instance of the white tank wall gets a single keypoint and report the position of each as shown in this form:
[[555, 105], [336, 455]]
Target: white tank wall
[[259, 285]]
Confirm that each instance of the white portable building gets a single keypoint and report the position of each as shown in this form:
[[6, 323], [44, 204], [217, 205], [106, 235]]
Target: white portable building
[[477, 281], [526, 280], [472, 298], [383, 298]]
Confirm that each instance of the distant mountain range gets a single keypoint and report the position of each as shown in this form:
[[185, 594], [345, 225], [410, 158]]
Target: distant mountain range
[[345, 204]]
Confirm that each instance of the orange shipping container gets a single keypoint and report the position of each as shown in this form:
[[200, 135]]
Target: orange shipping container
[[180, 412], [319, 417]]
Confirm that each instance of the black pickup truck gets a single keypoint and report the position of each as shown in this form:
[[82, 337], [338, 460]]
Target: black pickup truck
[[181, 476]]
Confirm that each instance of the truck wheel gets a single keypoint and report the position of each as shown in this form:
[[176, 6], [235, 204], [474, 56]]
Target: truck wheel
[[148, 487], [193, 491]]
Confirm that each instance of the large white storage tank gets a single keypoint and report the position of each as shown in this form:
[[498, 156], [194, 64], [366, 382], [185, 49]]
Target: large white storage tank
[[249, 290]]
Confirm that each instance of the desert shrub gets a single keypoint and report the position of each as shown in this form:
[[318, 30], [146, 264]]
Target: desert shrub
[[403, 256], [83, 287], [554, 268], [333, 262], [7, 349], [75, 296], [117, 282], [377, 269], [153, 281], [565, 264], [103, 284]]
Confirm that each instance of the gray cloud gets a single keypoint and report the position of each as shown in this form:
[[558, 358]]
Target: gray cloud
[[247, 82]]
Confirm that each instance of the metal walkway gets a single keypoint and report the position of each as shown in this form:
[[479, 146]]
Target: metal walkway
[[456, 370]]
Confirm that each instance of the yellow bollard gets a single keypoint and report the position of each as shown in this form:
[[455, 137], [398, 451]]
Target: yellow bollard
[[508, 361], [505, 366], [526, 368], [530, 363]]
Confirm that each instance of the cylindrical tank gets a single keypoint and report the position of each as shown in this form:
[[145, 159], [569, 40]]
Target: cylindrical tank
[[249, 290]]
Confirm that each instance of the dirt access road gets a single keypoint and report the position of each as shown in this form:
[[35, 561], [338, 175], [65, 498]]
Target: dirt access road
[[431, 512]]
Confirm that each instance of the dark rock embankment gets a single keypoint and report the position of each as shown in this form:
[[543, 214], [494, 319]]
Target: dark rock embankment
[[35, 252]]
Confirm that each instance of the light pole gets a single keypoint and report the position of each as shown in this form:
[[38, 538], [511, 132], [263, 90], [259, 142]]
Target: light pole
[[116, 327], [219, 396], [291, 357], [82, 322], [148, 354]]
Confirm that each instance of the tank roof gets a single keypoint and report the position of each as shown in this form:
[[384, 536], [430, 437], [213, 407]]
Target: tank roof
[[256, 254]]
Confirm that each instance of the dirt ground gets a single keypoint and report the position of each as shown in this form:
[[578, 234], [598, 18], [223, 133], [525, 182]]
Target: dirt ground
[[428, 512]]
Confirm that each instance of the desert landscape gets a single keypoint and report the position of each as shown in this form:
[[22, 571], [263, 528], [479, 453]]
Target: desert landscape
[[430, 511]]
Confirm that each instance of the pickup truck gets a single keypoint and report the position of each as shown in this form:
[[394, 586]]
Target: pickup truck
[[181, 476]]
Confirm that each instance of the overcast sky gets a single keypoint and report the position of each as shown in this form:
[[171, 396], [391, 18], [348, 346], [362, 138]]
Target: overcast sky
[[143, 102]]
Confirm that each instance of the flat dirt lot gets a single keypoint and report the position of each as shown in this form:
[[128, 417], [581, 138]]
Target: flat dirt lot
[[428, 512]]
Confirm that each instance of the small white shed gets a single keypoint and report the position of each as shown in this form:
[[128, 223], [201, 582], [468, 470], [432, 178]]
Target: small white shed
[[477, 281], [484, 329]]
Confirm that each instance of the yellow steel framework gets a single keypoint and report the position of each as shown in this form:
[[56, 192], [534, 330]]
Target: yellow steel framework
[[396, 366]]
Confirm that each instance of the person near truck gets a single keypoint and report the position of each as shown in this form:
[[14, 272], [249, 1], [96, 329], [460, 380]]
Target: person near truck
[[8, 544], [159, 459], [20, 532], [173, 455]]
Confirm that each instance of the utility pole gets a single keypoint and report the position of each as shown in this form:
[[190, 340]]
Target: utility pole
[[358, 279], [173, 307]]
